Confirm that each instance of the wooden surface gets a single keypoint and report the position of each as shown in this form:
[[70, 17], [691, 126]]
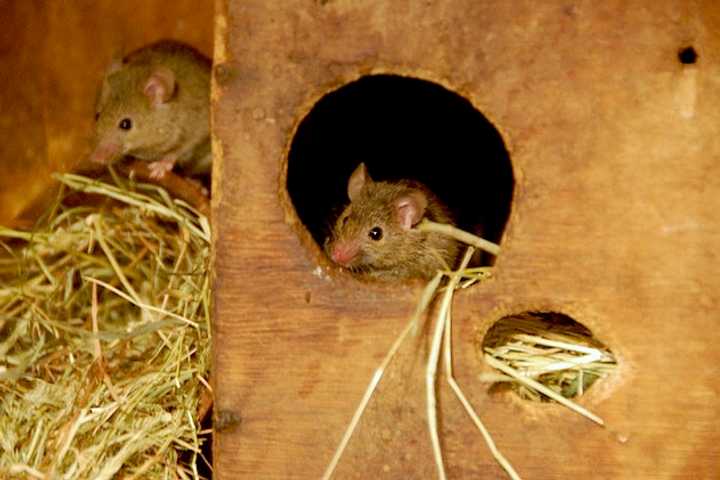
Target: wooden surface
[[616, 152], [52, 59]]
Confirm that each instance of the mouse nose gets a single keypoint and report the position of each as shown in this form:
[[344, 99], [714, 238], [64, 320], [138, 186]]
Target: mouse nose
[[343, 254], [105, 152]]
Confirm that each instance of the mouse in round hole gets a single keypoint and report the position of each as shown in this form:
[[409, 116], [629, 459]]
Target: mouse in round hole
[[374, 235]]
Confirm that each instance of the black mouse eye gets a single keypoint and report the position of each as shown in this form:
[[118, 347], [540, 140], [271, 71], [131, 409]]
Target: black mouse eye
[[345, 220], [97, 116], [125, 124], [375, 233]]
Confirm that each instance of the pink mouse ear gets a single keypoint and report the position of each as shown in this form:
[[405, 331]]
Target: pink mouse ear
[[410, 208], [160, 86], [359, 179]]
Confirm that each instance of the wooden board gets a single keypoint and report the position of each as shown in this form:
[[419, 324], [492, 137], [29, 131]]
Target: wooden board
[[615, 147]]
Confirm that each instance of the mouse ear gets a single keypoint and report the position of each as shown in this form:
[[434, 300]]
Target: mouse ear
[[104, 91], [359, 179], [160, 86], [410, 208]]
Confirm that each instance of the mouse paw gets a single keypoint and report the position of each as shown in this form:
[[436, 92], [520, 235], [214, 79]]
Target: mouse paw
[[161, 167]]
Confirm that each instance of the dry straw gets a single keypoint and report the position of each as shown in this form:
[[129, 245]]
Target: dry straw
[[546, 356], [105, 337]]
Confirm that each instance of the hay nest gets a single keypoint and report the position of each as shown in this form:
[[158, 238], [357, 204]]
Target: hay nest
[[105, 337], [545, 356]]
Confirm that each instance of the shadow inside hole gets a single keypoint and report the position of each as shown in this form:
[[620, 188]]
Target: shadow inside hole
[[401, 128], [548, 347], [687, 56]]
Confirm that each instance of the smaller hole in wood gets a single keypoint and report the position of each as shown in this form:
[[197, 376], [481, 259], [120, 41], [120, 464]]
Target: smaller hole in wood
[[549, 348], [687, 56]]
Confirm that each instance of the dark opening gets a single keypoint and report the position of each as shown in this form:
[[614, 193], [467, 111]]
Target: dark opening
[[687, 56], [548, 347], [401, 128]]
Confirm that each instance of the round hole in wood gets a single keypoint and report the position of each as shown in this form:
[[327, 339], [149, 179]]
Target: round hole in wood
[[547, 347], [401, 128]]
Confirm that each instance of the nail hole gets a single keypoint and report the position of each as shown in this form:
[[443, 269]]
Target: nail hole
[[687, 56]]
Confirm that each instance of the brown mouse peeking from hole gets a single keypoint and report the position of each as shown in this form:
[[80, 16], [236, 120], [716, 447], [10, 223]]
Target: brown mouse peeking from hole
[[154, 106], [374, 235]]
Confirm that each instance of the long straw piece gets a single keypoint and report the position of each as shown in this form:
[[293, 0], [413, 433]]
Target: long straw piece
[[463, 236], [432, 365], [447, 346], [428, 293]]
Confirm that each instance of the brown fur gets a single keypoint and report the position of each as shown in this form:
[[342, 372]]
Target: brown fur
[[401, 253], [179, 128]]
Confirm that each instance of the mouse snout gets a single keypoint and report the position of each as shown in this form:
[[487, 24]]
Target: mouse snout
[[105, 152], [344, 253]]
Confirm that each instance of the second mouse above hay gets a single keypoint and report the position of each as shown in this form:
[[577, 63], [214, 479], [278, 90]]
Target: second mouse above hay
[[154, 105], [375, 235]]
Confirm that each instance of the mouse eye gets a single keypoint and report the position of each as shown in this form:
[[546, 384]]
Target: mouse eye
[[375, 233], [125, 124], [345, 220], [97, 116]]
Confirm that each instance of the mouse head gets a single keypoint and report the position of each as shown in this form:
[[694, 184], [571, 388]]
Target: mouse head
[[128, 110], [375, 231]]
